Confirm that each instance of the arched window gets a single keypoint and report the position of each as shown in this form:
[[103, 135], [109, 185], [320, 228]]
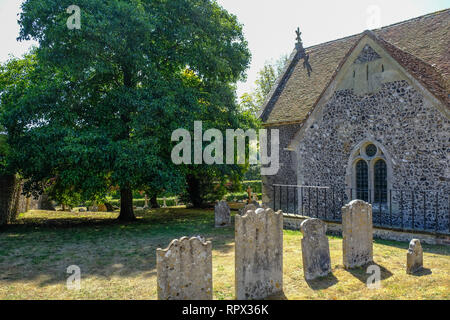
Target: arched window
[[380, 181], [368, 174], [362, 180]]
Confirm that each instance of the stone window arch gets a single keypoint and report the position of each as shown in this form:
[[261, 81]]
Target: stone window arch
[[369, 173]]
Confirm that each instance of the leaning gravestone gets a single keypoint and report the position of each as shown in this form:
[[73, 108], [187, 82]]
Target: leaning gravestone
[[357, 233], [222, 214], [258, 254], [315, 249], [184, 270], [414, 257]]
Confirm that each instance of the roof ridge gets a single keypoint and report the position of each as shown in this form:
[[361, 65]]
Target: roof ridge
[[379, 29]]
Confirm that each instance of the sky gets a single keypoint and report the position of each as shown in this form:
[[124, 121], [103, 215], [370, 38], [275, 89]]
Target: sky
[[269, 25]]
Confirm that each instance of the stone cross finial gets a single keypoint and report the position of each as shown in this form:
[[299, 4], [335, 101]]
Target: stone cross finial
[[302, 53], [299, 44], [299, 39]]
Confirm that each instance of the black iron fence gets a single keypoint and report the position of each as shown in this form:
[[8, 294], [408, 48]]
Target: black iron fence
[[406, 210]]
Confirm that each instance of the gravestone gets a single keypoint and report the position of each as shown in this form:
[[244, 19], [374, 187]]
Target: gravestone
[[315, 249], [248, 207], [414, 257], [357, 233], [222, 214], [184, 270], [258, 254]]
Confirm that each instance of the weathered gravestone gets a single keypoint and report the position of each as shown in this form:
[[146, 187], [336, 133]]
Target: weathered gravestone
[[315, 249], [184, 270], [222, 214], [414, 257], [258, 254], [249, 207], [357, 233]]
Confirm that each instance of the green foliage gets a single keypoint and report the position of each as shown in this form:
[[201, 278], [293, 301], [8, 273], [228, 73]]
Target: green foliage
[[239, 196], [256, 185], [253, 173], [267, 77], [98, 107]]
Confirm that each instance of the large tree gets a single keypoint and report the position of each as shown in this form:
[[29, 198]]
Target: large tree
[[106, 97]]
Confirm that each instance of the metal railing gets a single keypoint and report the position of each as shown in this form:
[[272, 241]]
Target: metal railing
[[405, 210]]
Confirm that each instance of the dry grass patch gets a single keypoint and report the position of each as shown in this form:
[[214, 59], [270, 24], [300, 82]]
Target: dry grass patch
[[117, 261]]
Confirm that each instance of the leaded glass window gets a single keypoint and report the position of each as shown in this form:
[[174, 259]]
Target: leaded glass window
[[380, 181], [362, 180]]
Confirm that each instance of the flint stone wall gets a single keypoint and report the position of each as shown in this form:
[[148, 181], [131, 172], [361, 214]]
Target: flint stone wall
[[315, 249], [258, 254], [357, 234], [184, 270], [398, 117]]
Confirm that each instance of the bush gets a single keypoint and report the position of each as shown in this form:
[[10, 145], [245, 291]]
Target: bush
[[239, 196]]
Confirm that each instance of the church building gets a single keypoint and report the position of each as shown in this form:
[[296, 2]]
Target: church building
[[366, 117]]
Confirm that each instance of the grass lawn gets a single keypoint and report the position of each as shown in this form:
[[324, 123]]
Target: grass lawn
[[117, 261]]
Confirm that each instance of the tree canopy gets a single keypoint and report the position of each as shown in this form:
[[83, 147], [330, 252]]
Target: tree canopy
[[100, 102]]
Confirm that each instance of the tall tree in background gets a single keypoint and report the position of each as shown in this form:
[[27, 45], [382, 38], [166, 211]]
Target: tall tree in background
[[105, 98], [266, 79]]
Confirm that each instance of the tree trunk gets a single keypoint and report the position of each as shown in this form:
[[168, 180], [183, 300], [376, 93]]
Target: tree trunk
[[154, 201], [194, 191], [126, 205]]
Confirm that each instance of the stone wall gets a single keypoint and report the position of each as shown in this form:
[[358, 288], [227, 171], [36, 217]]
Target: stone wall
[[412, 131], [287, 174]]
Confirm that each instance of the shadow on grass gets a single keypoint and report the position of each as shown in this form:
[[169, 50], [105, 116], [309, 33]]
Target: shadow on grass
[[435, 249], [323, 282], [41, 249], [422, 272], [362, 275]]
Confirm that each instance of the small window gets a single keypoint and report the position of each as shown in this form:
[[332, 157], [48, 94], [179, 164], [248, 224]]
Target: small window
[[371, 150]]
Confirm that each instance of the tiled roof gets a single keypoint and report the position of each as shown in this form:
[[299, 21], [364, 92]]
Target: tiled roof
[[421, 45]]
